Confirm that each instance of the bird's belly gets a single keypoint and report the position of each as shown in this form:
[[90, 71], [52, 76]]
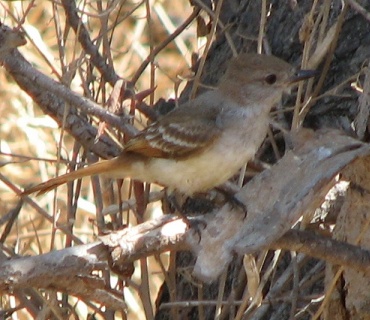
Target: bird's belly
[[197, 174], [211, 167]]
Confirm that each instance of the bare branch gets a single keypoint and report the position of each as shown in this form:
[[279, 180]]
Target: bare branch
[[68, 270], [361, 10], [325, 248], [72, 269], [276, 199], [106, 70], [52, 96]]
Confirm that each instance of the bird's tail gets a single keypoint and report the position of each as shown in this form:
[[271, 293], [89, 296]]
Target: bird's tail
[[101, 167]]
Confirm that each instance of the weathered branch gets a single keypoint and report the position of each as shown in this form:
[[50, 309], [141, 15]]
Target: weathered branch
[[68, 270], [52, 98], [71, 269], [325, 248], [275, 201]]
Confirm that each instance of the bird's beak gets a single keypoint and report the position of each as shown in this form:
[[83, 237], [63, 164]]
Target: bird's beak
[[300, 75]]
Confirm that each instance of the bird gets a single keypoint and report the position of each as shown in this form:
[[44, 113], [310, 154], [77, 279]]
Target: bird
[[204, 142]]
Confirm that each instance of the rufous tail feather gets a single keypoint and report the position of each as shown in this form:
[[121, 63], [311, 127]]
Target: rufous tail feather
[[97, 168]]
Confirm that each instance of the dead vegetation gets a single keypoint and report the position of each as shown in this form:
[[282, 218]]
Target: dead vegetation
[[54, 260]]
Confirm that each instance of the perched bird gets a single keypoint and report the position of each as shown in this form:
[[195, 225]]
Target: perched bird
[[202, 143]]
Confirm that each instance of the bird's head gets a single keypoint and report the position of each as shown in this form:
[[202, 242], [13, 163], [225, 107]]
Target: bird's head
[[257, 78]]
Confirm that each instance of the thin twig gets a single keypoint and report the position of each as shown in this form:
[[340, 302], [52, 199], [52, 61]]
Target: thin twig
[[361, 10], [106, 70], [164, 44]]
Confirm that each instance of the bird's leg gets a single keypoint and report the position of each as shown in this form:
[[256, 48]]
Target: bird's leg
[[173, 203], [229, 194], [193, 222], [198, 205]]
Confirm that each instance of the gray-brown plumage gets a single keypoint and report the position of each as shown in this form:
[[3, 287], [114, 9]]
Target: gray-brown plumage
[[204, 142]]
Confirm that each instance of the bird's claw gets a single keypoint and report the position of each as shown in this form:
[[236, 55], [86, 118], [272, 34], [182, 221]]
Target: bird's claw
[[233, 200], [194, 224], [236, 203]]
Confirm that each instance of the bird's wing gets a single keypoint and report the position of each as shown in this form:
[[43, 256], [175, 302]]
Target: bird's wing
[[180, 133]]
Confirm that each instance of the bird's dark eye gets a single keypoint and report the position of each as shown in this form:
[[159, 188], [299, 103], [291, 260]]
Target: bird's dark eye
[[271, 78]]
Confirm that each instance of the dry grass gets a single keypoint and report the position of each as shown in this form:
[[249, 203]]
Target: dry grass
[[126, 32], [34, 149]]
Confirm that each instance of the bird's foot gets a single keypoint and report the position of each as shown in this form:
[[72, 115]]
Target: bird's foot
[[233, 200], [172, 203], [195, 224], [190, 206], [197, 205]]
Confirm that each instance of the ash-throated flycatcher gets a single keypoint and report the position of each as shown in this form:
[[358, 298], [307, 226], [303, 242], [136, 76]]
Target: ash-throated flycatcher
[[204, 142]]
